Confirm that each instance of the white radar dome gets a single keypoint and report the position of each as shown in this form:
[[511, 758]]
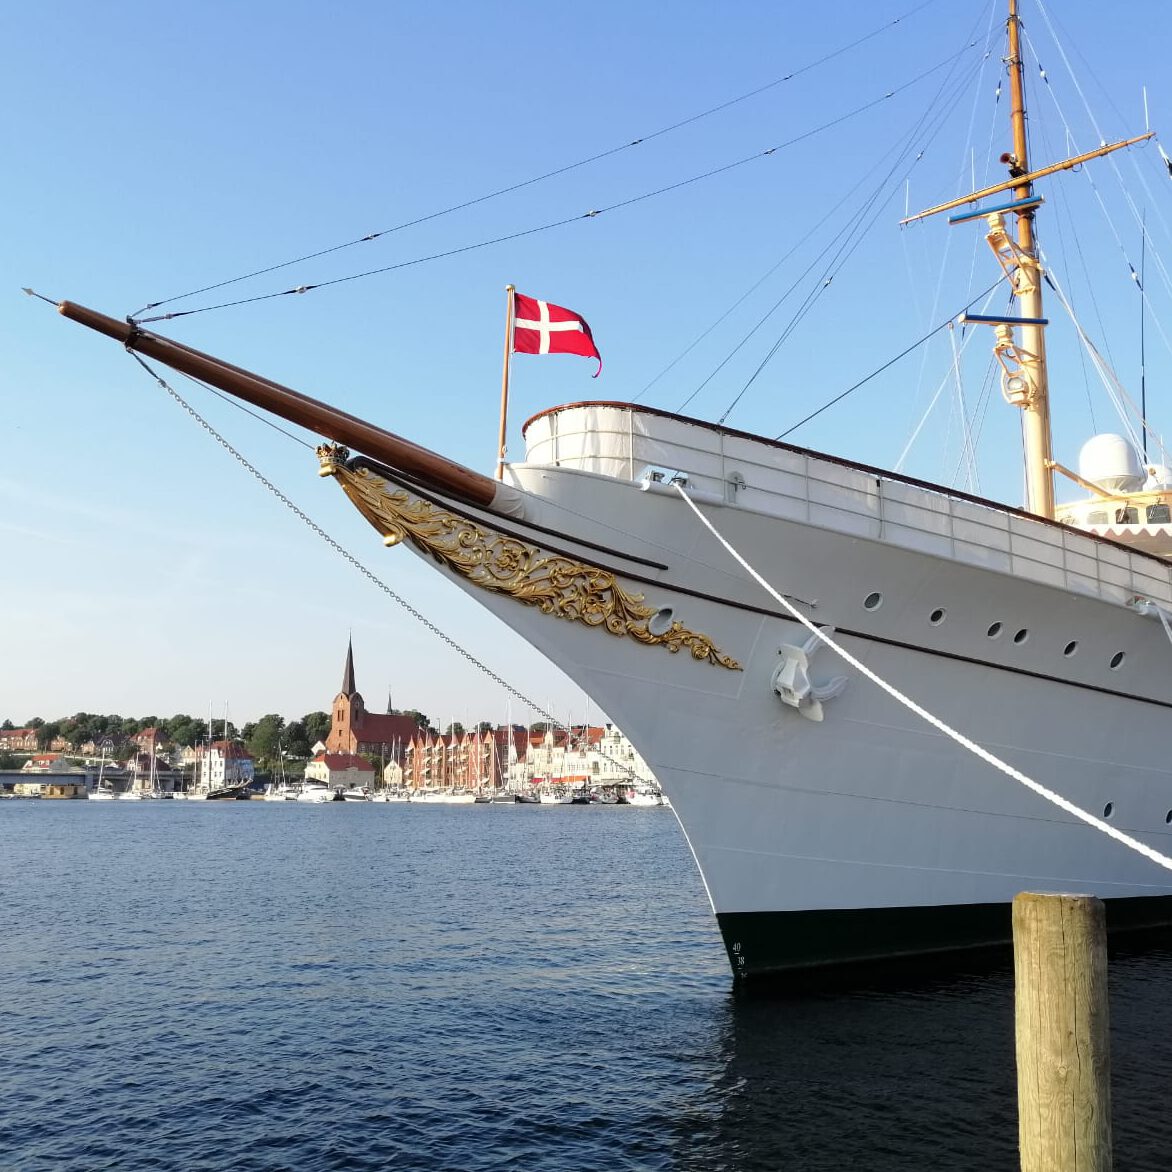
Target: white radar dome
[[1159, 477], [1110, 462]]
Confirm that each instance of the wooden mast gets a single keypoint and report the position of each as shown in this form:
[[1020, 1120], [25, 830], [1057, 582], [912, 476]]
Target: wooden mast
[[1027, 281], [1024, 380]]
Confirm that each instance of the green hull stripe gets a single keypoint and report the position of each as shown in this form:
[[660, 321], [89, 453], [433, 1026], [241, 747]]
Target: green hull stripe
[[762, 943]]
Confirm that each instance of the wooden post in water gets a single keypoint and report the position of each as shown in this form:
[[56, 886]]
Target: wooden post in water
[[1063, 1046]]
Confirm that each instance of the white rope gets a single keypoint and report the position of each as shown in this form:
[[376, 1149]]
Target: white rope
[[924, 714]]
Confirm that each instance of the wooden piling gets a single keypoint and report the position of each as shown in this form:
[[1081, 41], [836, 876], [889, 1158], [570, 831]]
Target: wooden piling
[[1063, 1046]]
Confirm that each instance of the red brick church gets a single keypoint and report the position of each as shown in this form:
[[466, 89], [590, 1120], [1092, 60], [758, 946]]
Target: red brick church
[[370, 734]]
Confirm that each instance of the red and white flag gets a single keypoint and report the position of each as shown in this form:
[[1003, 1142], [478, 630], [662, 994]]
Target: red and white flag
[[540, 327]]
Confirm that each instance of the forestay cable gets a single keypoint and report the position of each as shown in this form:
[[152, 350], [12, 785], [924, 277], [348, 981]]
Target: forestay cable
[[548, 174], [984, 754], [593, 213]]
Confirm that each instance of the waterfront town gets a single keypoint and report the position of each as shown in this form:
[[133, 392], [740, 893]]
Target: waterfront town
[[349, 753]]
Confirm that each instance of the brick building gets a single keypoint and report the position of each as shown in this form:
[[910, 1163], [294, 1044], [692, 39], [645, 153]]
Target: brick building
[[376, 736]]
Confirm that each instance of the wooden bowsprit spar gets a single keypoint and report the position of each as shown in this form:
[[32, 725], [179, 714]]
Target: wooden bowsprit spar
[[329, 422]]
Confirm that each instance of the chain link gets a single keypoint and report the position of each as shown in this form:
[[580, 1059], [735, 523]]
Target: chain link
[[362, 569]]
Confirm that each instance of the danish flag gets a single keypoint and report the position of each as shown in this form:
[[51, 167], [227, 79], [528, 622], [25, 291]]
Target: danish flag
[[540, 327]]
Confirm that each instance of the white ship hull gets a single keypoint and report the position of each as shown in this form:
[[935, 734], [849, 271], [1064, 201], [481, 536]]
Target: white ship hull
[[801, 827], [830, 825]]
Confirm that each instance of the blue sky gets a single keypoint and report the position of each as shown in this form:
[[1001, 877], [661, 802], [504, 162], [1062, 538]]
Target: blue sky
[[154, 150]]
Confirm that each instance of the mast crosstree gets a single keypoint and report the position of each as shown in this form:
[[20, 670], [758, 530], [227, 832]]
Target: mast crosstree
[[1024, 378]]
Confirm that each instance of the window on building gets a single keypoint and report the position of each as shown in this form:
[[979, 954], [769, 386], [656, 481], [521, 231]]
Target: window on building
[[1159, 514], [1126, 516]]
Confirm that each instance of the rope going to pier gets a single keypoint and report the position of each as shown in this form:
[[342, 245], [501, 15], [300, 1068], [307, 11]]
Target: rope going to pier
[[984, 754]]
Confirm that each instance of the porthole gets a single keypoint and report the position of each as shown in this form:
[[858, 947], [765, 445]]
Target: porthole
[[1108, 809], [873, 601], [994, 630], [660, 622], [1021, 636], [1117, 660], [1070, 648], [937, 616], [1168, 817]]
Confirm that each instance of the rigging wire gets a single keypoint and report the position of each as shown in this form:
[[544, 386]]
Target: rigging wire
[[915, 435], [938, 292], [890, 362], [1115, 167], [748, 292], [594, 213], [967, 455], [858, 230], [840, 234], [761, 280], [1062, 209], [805, 272], [966, 156], [980, 414], [1116, 392], [1115, 389], [370, 236]]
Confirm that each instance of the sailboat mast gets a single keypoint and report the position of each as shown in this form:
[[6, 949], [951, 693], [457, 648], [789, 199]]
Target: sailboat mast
[[1027, 282]]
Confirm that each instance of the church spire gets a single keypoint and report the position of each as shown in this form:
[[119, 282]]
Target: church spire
[[348, 687]]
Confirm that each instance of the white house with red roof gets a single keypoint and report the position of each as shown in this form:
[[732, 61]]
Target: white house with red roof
[[223, 764], [48, 763], [341, 770]]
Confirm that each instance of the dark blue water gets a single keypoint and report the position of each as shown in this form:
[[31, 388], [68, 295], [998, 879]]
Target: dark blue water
[[263, 986]]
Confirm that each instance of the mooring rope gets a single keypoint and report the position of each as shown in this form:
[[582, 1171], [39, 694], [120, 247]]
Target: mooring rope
[[984, 754]]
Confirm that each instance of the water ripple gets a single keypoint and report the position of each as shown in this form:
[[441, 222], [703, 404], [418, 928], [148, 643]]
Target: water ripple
[[263, 987]]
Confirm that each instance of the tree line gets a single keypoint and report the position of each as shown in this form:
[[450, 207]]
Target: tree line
[[266, 739], [296, 736]]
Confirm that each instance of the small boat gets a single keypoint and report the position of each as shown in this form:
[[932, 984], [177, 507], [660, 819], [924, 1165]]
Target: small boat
[[103, 790], [313, 791], [643, 795], [355, 794]]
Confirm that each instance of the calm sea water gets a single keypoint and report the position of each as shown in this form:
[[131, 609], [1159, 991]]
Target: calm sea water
[[262, 986]]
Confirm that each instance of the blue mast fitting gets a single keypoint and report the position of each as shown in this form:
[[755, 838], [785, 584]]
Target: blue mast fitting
[[1018, 205], [985, 319]]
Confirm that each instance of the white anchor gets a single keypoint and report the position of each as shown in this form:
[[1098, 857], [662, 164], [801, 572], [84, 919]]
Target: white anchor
[[791, 679]]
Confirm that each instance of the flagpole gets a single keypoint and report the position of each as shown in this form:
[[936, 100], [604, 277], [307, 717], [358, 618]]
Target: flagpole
[[500, 462]]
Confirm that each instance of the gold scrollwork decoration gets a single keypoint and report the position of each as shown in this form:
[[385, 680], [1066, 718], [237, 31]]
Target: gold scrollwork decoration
[[555, 584]]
